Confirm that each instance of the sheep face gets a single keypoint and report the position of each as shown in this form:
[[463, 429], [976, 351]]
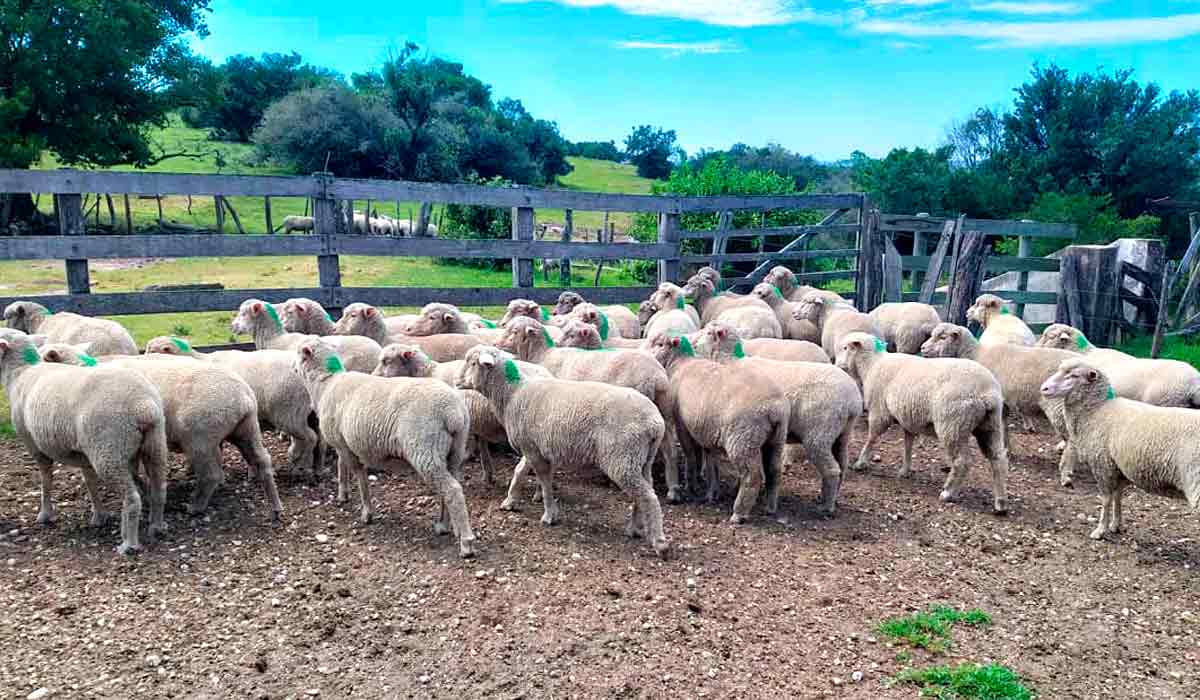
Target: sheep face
[[523, 337], [355, 319], [580, 335], [295, 313], [67, 354], [718, 340], [669, 349], [946, 340], [21, 315], [810, 308], [398, 360], [857, 348], [316, 359], [17, 348], [986, 306], [435, 319], [485, 365], [518, 308], [781, 277], [668, 296], [699, 287], [1063, 337], [769, 293], [167, 345], [710, 273], [566, 302], [1077, 380], [252, 314], [646, 311]]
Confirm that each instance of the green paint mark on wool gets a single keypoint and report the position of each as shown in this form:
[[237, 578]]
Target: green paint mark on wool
[[1111, 394], [880, 346], [1082, 342], [685, 347], [30, 355], [512, 374], [1004, 311], [487, 324], [334, 364], [182, 344], [777, 292], [738, 351], [546, 337], [274, 315], [545, 315], [680, 304], [87, 360], [328, 317], [603, 325]]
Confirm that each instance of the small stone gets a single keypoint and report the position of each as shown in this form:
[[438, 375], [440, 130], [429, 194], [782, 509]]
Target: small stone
[[322, 538], [313, 692], [481, 574], [275, 602], [691, 582], [837, 681], [153, 660], [423, 679], [576, 555], [343, 592], [260, 665], [857, 676], [38, 694], [612, 590]]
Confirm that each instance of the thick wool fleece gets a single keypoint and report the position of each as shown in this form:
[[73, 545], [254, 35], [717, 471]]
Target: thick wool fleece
[[787, 350], [711, 305], [1000, 326], [904, 326], [367, 321], [262, 321], [103, 337], [835, 319], [793, 328]]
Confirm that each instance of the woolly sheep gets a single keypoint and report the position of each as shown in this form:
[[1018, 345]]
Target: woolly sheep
[[626, 323], [639, 371], [279, 392], [670, 320], [1156, 382], [1000, 326], [385, 423], [905, 325], [954, 399], [301, 315], [825, 403], [567, 301], [298, 223], [205, 405], [106, 337], [835, 319], [261, 320], [727, 410], [672, 296], [710, 306], [555, 424], [595, 316], [103, 420], [786, 350], [1126, 442], [785, 280], [792, 328], [527, 308], [437, 319], [710, 273], [367, 321]]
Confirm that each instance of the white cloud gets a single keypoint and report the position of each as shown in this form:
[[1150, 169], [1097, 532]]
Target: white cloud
[[900, 45], [676, 48], [1031, 8], [726, 13], [1029, 34], [905, 3]]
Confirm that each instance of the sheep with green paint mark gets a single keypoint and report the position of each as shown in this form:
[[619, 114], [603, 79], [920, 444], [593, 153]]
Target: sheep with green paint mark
[[261, 321], [378, 422], [786, 350], [399, 360], [785, 280], [624, 323], [602, 320], [279, 393], [792, 327], [904, 326], [703, 294], [671, 320], [106, 337], [104, 420], [360, 319], [835, 319], [731, 411], [633, 369], [1000, 325], [302, 315], [560, 424], [1126, 442], [672, 296], [953, 399], [1152, 381], [825, 403], [205, 406]]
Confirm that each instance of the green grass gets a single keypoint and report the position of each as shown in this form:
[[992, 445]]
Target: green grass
[[967, 682], [1174, 348], [931, 629]]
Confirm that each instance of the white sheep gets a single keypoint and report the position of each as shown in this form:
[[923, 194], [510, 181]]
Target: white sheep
[[387, 423], [298, 223], [836, 319], [792, 328], [672, 296], [954, 399], [905, 325], [106, 337], [786, 350], [1126, 442], [785, 280], [437, 319], [655, 320], [595, 316], [261, 320], [555, 423], [364, 320], [711, 305], [301, 315], [1000, 326], [103, 420]]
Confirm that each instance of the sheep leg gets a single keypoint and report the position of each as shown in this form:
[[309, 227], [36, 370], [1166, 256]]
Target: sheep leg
[[366, 512], [831, 476], [991, 443], [670, 460], [877, 425], [131, 513], [1109, 481], [46, 472], [455, 505], [1066, 465], [959, 468], [692, 457], [91, 481], [206, 463], [343, 478], [522, 468], [710, 462], [248, 440], [906, 467], [545, 475], [485, 460], [646, 515], [300, 452], [773, 460], [752, 480]]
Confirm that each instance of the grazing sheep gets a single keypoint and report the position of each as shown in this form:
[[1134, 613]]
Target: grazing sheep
[[635, 370], [835, 319], [1156, 382], [205, 405], [825, 403], [366, 320], [711, 306], [905, 325], [792, 328], [398, 360], [103, 420], [1125, 442], [282, 399], [301, 315], [299, 223], [260, 320], [733, 411], [1000, 326], [555, 423], [655, 320], [954, 399], [385, 423], [672, 296], [786, 350], [106, 337]]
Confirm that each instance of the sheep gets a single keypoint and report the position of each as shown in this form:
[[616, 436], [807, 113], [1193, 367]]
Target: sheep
[[260, 320], [1126, 442], [670, 320], [595, 316], [792, 328], [672, 296], [301, 315], [627, 323], [702, 291], [904, 326], [1000, 326], [1156, 382], [639, 371], [954, 399], [437, 319], [787, 350], [556, 423], [299, 223], [729, 410], [204, 406], [835, 319], [567, 301], [752, 322], [825, 403], [280, 394], [103, 420], [398, 360], [527, 308], [785, 280], [712, 274], [375, 421], [367, 321], [106, 337]]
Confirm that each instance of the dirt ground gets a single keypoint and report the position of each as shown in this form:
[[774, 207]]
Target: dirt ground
[[230, 606]]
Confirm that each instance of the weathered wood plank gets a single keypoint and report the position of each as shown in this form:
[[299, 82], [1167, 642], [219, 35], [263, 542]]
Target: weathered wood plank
[[668, 235], [1160, 325], [267, 212], [934, 274], [870, 263], [777, 231], [79, 181], [990, 227], [522, 230], [1024, 249], [750, 257], [71, 224], [994, 263], [967, 277], [893, 274]]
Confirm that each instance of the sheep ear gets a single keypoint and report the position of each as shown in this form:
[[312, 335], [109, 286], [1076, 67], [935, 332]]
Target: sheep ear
[[1092, 375], [3, 346], [257, 307], [856, 344], [675, 342], [448, 317], [408, 354], [52, 356], [721, 333], [307, 351]]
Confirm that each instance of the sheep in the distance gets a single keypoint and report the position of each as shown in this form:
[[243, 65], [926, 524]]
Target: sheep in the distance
[[298, 223], [556, 423], [1126, 442], [904, 326], [360, 319], [388, 423], [793, 328], [953, 399], [262, 322], [106, 337], [104, 420], [836, 319], [1000, 325]]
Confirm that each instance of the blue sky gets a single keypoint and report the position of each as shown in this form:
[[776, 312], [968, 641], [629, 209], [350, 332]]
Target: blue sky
[[825, 77]]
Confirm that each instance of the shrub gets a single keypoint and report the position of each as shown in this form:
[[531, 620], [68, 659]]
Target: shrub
[[968, 682], [1095, 216], [468, 221]]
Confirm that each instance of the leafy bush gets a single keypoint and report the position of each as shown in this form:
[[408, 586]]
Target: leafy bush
[[1095, 216], [598, 150], [467, 221]]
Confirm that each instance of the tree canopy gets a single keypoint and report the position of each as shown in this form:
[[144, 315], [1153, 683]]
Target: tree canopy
[[651, 149]]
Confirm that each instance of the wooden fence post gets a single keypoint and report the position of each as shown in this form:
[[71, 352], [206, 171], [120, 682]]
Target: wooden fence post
[[522, 230], [668, 232], [1164, 299], [869, 285], [267, 211], [329, 222], [893, 275], [950, 230], [69, 209], [919, 248], [1023, 251], [220, 206], [564, 265], [967, 276], [128, 217], [1090, 283]]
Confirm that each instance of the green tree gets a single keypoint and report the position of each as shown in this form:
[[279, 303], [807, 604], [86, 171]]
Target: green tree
[[805, 171], [651, 149], [249, 85], [598, 150], [906, 181]]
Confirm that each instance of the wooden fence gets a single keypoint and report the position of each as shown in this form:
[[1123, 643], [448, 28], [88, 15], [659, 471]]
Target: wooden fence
[[333, 203]]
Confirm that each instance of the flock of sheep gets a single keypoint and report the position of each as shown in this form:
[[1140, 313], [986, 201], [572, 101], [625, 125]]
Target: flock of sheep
[[376, 225], [723, 384]]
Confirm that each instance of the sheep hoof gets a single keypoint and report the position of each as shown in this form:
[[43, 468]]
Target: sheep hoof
[[466, 548], [365, 517], [127, 549], [675, 495], [1067, 484], [947, 496], [859, 466], [157, 529], [737, 519], [440, 528], [548, 519], [663, 549], [1000, 508], [45, 517], [1098, 533], [510, 505]]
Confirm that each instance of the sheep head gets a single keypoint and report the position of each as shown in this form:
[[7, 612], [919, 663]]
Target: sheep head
[[168, 345], [434, 319], [397, 360], [356, 319], [718, 341], [769, 293], [25, 316], [668, 296], [566, 302], [317, 359], [17, 349], [576, 334], [781, 277], [298, 312], [710, 273], [485, 366], [985, 307], [525, 338], [646, 311], [947, 340], [669, 348], [1064, 337], [526, 308], [1078, 381], [810, 308], [255, 313], [67, 354], [857, 349]]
